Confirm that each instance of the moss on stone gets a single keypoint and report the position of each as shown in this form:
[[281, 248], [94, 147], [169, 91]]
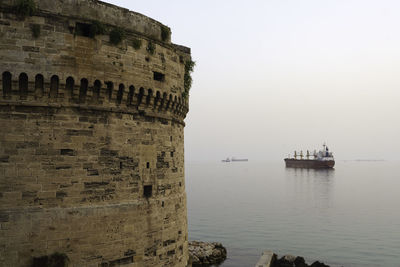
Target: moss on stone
[[165, 33], [136, 43], [25, 8], [187, 78], [97, 28], [116, 36], [151, 48]]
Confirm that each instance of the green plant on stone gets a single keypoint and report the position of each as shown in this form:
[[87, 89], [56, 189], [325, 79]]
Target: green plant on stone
[[116, 36], [187, 77], [97, 28], [136, 43], [25, 8], [151, 48], [165, 33], [35, 28]]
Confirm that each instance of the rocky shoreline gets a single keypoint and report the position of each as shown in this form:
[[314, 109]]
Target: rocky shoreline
[[295, 261], [270, 259], [204, 254]]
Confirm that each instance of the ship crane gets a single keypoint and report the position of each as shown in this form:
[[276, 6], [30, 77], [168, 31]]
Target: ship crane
[[321, 159]]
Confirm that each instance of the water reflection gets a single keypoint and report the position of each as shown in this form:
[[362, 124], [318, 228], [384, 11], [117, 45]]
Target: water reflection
[[310, 187], [344, 217]]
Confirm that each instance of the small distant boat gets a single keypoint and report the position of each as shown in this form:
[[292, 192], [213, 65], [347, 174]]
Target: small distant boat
[[233, 160], [321, 160], [226, 160]]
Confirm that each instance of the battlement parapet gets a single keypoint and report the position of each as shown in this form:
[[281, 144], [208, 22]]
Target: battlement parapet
[[121, 97], [69, 65]]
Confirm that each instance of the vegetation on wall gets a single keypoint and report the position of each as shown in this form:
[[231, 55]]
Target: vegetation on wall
[[187, 77], [35, 28], [116, 36], [54, 260], [25, 8], [97, 28], [136, 43], [151, 48], [90, 29], [165, 33]]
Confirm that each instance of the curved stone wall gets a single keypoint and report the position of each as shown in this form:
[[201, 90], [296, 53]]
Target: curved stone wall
[[91, 138]]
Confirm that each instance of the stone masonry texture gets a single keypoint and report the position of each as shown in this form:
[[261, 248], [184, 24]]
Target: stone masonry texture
[[91, 137]]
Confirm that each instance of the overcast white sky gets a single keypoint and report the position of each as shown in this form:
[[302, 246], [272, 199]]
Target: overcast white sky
[[277, 75]]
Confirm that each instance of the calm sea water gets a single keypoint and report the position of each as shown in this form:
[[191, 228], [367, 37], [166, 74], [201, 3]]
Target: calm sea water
[[349, 216]]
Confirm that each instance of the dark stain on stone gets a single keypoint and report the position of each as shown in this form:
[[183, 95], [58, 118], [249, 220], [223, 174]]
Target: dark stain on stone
[[118, 262], [4, 217], [95, 184], [73, 132], [29, 194], [4, 159], [63, 167], [67, 152], [27, 145], [30, 49], [61, 194], [108, 153], [92, 172], [129, 252]]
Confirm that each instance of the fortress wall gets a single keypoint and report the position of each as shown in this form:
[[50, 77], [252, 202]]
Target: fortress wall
[[97, 10], [91, 140]]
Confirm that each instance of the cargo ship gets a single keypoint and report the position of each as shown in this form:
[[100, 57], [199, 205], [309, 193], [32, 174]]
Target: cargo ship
[[321, 160]]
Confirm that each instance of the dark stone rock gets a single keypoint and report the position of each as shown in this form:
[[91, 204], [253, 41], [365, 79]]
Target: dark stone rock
[[296, 261], [300, 262], [206, 254], [318, 264]]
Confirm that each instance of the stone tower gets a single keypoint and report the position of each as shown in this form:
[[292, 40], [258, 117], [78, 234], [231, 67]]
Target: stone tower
[[92, 103]]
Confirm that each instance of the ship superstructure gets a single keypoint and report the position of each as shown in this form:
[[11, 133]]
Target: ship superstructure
[[318, 160]]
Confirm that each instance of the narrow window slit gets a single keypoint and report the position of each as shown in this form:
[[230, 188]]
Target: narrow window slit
[[83, 90], [23, 85], [7, 84], [147, 191]]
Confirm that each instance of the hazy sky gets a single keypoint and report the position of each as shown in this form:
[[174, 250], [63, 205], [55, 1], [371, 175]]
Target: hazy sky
[[272, 76]]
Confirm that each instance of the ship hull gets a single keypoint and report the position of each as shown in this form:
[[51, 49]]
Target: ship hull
[[309, 163]]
